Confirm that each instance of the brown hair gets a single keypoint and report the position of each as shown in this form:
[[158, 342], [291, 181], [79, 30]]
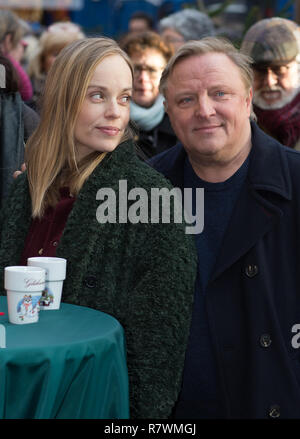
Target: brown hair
[[138, 42]]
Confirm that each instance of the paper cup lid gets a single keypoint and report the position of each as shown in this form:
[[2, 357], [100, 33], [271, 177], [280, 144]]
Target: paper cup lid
[[55, 267]]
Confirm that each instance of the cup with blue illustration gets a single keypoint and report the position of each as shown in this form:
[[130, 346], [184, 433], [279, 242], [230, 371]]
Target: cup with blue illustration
[[24, 287], [55, 275]]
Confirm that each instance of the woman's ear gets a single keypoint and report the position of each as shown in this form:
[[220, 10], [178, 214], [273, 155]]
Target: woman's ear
[[6, 44]]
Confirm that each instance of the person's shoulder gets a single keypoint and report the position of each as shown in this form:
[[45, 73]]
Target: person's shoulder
[[140, 173], [164, 161]]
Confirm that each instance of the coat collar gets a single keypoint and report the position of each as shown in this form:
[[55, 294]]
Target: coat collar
[[268, 169], [260, 204]]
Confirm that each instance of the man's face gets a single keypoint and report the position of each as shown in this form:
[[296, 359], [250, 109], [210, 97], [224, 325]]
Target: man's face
[[148, 67], [209, 107], [274, 86]]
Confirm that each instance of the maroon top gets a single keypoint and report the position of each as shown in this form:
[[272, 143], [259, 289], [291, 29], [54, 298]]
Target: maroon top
[[44, 234]]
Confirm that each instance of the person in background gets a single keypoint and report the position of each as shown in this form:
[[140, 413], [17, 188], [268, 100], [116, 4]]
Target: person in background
[[273, 44], [185, 25], [51, 42], [140, 272], [140, 21], [12, 30], [149, 55], [243, 354], [18, 122]]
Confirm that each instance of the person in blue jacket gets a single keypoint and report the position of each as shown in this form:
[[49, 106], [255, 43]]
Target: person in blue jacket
[[243, 355]]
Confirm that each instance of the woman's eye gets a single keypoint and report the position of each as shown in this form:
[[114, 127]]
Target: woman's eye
[[97, 96], [125, 99]]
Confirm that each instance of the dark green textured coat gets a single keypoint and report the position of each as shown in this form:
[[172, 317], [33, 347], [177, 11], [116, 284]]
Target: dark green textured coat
[[142, 274]]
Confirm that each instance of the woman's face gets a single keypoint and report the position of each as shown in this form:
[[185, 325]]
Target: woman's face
[[105, 112]]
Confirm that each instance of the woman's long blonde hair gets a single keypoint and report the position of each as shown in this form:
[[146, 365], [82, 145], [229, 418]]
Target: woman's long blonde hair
[[50, 151]]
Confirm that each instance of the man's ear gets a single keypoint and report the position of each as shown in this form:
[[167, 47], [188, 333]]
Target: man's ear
[[249, 100], [166, 106]]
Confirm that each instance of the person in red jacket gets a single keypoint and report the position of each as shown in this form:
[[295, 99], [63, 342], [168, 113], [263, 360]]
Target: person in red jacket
[[11, 33]]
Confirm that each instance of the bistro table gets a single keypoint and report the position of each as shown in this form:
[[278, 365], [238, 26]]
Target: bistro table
[[71, 364]]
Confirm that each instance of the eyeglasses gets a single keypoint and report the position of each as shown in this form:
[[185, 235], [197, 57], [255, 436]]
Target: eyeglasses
[[279, 71], [153, 72]]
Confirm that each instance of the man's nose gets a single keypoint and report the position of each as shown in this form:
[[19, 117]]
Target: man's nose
[[270, 78], [205, 107], [143, 75]]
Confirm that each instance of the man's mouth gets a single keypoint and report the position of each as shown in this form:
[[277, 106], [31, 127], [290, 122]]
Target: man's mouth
[[270, 95]]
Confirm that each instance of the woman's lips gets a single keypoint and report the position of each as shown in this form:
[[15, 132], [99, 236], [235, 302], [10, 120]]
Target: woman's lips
[[109, 131]]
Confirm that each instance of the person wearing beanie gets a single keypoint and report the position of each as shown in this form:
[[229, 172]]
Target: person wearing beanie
[[273, 45], [185, 25]]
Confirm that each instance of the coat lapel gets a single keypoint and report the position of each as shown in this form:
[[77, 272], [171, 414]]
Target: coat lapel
[[251, 219], [258, 208]]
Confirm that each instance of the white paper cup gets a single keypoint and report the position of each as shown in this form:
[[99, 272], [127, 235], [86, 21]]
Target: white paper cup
[[55, 275], [24, 286]]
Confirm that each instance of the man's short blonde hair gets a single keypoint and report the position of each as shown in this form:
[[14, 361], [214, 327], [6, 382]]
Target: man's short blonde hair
[[209, 45]]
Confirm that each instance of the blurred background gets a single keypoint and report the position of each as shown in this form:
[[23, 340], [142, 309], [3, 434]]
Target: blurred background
[[111, 17]]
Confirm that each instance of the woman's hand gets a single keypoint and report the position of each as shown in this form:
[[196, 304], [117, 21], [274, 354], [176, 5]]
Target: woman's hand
[[17, 173]]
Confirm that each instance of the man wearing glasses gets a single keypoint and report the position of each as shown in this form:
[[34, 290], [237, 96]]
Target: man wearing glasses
[[273, 44]]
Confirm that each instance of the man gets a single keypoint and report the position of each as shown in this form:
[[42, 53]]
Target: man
[[149, 55], [242, 359], [273, 44]]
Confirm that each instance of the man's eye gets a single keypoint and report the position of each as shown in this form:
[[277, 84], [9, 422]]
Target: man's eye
[[220, 94], [185, 100]]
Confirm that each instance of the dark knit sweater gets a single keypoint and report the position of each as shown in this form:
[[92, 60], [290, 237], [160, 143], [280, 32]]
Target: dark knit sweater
[[142, 274]]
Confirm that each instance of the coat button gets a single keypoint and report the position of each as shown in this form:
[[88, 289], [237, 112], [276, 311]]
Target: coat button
[[274, 411], [251, 270], [90, 281], [265, 340]]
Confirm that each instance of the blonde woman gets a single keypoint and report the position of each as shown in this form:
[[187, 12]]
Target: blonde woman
[[52, 41], [142, 273]]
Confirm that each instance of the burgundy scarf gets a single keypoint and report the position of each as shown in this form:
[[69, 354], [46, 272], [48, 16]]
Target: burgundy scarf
[[282, 123]]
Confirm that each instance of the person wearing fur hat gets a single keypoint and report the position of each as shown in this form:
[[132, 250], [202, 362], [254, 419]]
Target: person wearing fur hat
[[185, 25], [273, 45]]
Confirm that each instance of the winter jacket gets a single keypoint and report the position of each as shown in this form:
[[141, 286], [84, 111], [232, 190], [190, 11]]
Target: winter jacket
[[143, 274], [253, 296]]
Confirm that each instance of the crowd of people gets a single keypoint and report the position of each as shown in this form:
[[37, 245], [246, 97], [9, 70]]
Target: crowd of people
[[208, 316]]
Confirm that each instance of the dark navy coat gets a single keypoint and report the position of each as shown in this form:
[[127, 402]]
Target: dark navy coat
[[253, 297]]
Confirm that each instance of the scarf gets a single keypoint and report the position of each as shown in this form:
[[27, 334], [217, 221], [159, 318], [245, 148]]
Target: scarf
[[148, 118], [282, 123]]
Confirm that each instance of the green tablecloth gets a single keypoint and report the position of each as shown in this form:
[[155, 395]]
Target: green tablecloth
[[70, 364]]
